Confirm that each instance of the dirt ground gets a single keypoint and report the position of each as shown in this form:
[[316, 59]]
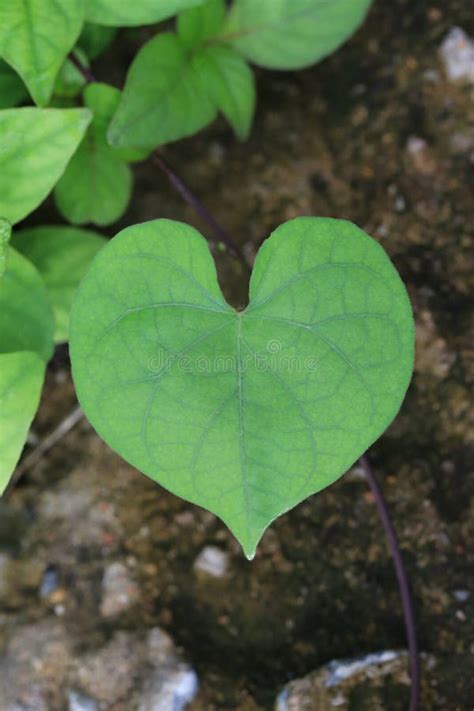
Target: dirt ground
[[376, 134]]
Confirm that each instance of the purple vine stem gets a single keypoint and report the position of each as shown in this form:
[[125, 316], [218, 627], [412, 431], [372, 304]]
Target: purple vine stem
[[391, 535], [190, 198], [85, 71], [403, 583]]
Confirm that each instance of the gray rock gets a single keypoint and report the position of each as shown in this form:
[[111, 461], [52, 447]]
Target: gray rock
[[169, 688], [457, 54], [34, 668], [212, 562], [338, 683], [170, 684], [79, 702], [109, 673], [120, 592], [461, 595]]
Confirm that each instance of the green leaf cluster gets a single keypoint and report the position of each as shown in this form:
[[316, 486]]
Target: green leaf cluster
[[26, 341], [245, 413]]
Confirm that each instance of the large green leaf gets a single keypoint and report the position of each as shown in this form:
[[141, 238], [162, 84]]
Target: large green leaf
[[26, 320], [244, 413], [164, 98], [62, 256], [26, 330], [12, 89], [35, 146], [5, 234], [291, 34], [35, 38], [21, 379], [122, 13]]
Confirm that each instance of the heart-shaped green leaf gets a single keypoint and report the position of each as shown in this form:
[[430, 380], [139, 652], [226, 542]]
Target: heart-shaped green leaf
[[244, 413]]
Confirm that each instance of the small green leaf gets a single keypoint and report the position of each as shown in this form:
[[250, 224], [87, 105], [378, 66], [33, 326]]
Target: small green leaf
[[35, 146], [118, 13], [95, 39], [21, 379], [96, 186], [103, 100], [291, 34], [35, 38], [12, 89], [243, 413], [198, 24], [26, 318], [5, 234], [165, 96], [231, 86], [62, 256]]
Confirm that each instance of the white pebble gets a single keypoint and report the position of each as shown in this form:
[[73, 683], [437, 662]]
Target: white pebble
[[457, 53], [212, 561]]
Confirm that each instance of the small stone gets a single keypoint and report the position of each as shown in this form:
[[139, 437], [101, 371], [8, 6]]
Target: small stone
[[160, 646], [461, 142], [461, 595], [331, 686], [433, 354], [171, 684], [420, 155], [109, 673], [169, 689], [359, 683], [212, 562], [457, 53], [400, 204], [50, 582], [79, 702], [120, 592], [34, 666]]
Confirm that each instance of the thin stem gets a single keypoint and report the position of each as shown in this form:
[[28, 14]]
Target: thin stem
[[85, 71], [403, 583], [65, 426], [191, 199]]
